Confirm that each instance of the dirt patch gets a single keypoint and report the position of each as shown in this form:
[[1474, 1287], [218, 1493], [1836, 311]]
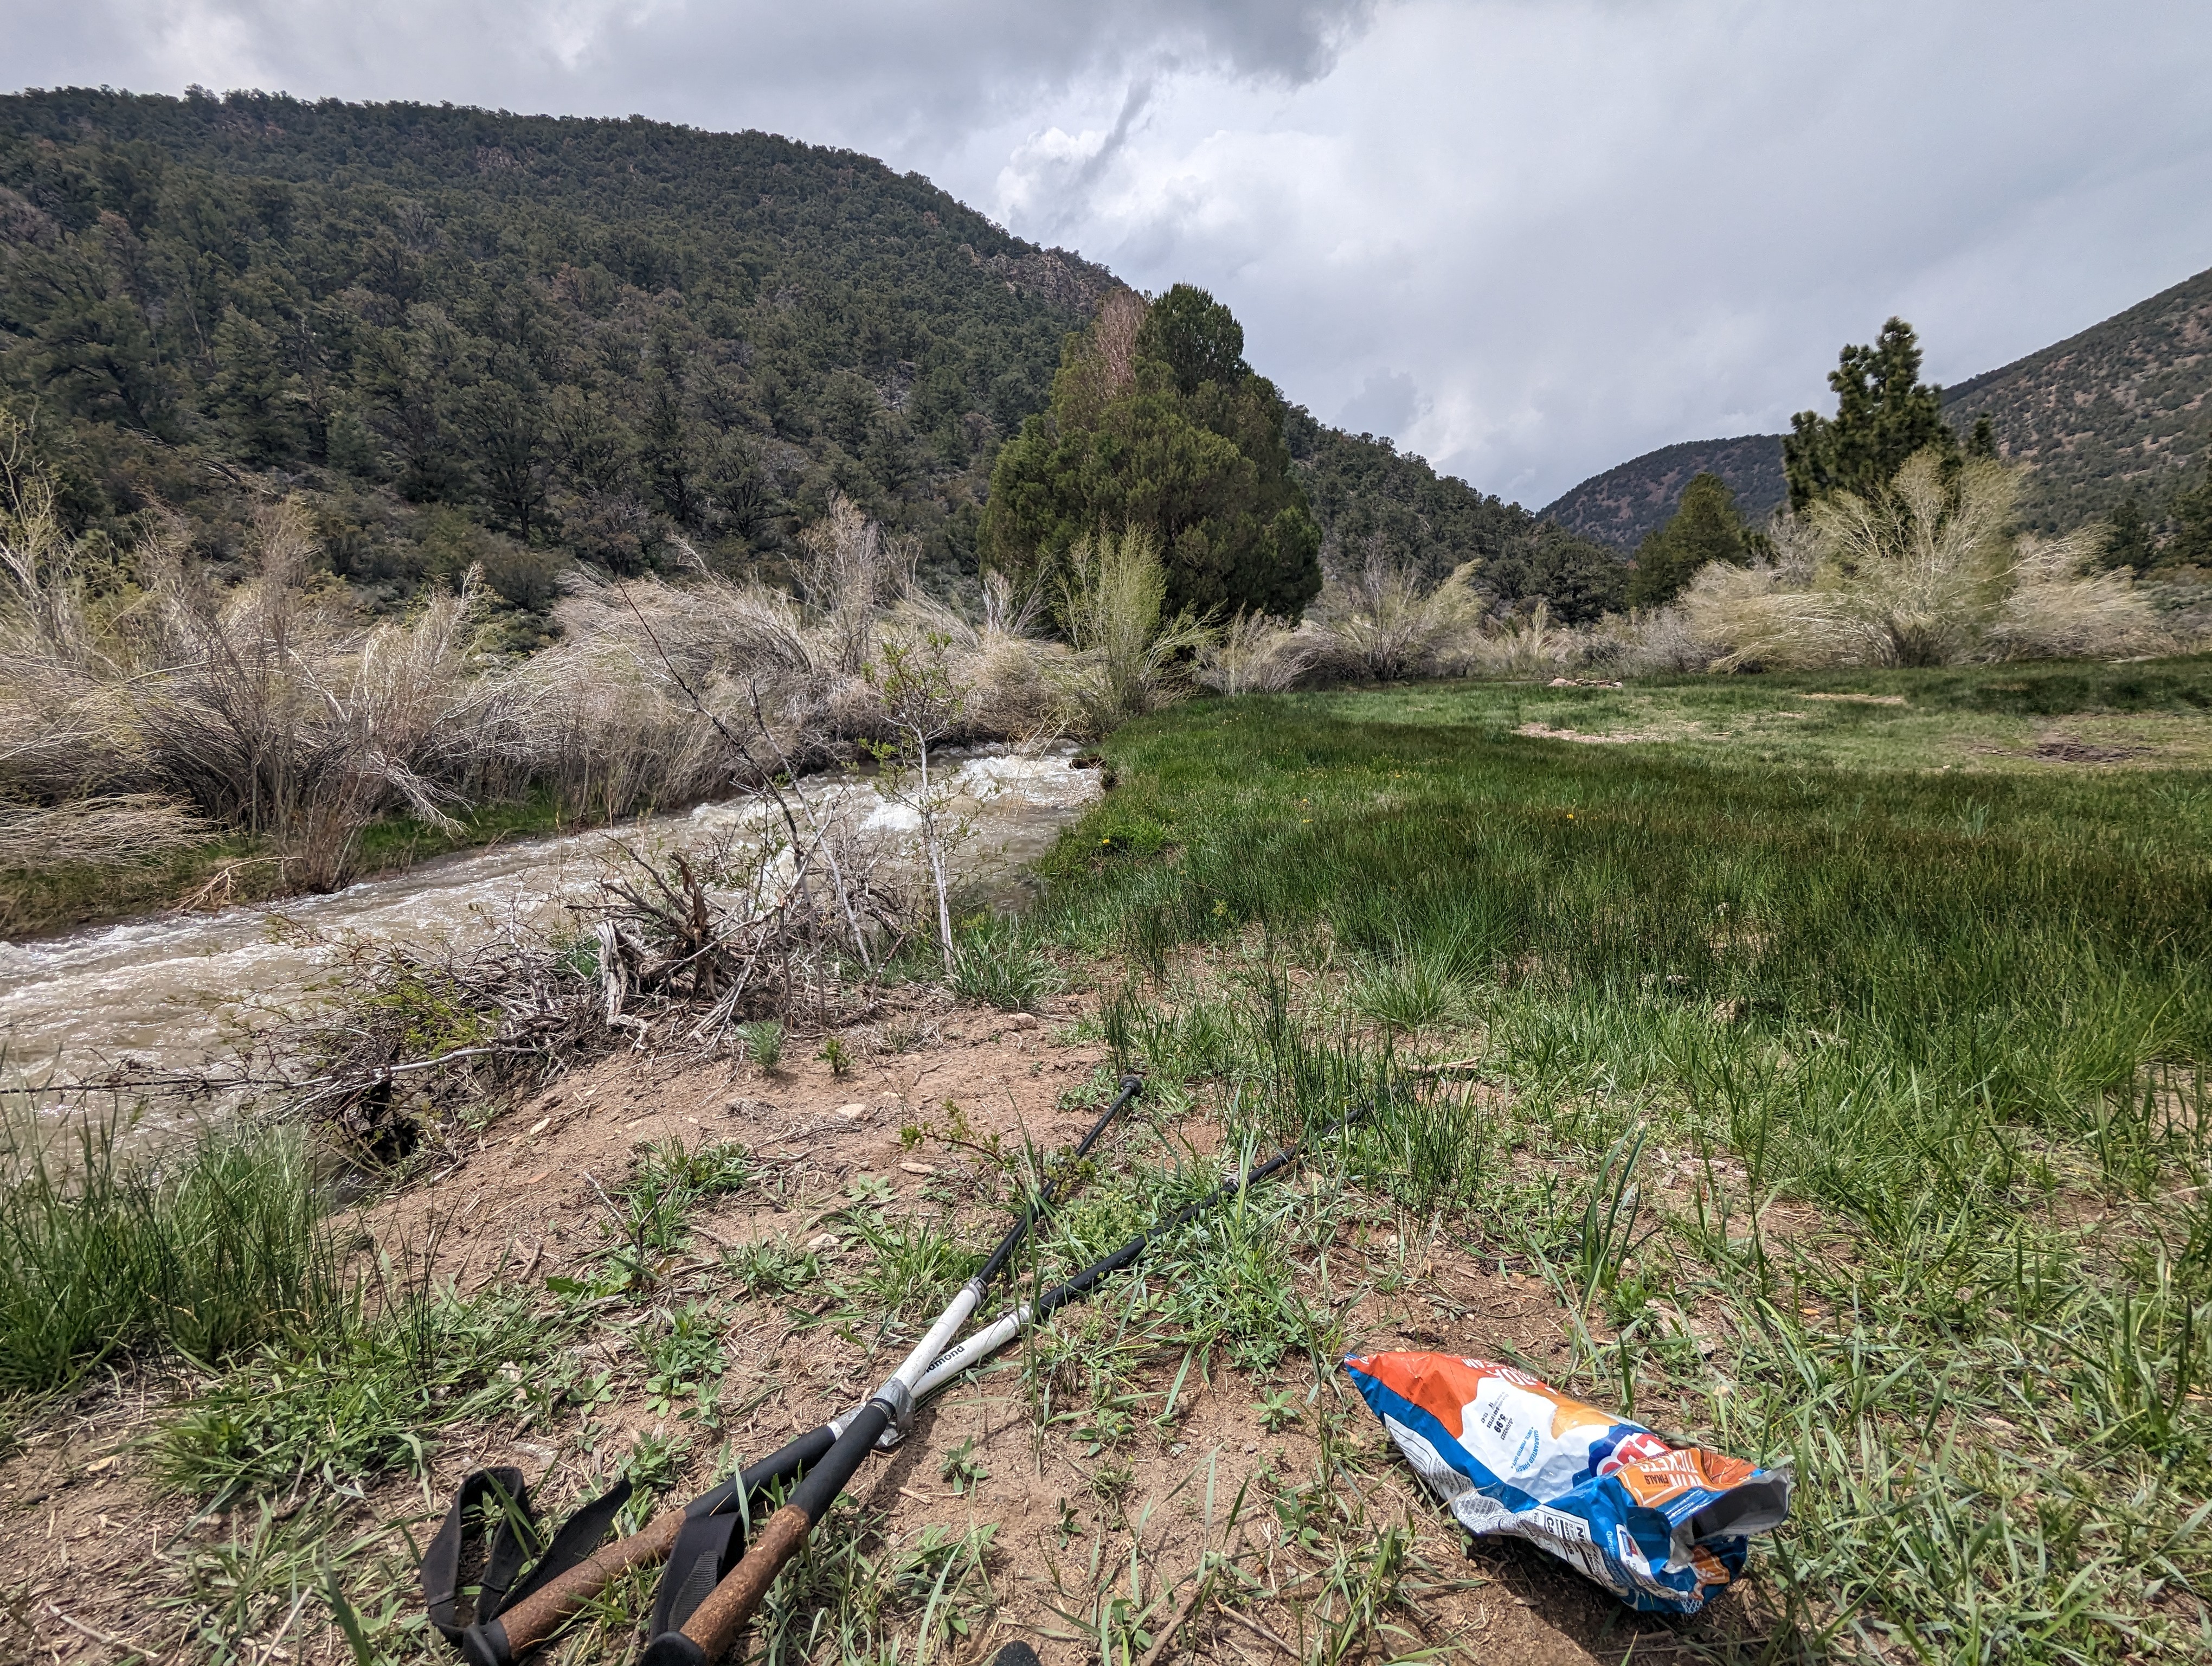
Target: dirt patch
[[1857, 699], [2057, 749], [1546, 732]]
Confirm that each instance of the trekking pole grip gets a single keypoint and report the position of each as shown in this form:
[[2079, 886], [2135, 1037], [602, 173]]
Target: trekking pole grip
[[537, 1616], [714, 1624]]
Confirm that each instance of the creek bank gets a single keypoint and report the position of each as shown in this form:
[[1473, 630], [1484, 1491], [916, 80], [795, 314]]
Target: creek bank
[[165, 992]]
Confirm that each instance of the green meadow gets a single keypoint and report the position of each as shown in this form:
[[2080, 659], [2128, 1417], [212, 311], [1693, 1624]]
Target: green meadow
[[1839, 1064]]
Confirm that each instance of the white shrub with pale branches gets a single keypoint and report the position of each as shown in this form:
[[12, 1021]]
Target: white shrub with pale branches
[[1929, 571]]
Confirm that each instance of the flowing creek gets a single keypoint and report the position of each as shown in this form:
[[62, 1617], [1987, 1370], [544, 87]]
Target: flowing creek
[[163, 991]]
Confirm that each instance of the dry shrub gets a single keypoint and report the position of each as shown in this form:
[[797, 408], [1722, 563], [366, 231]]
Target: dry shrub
[[1530, 645], [997, 658], [1255, 654], [849, 571], [2057, 612], [1928, 571], [1125, 658], [1376, 620], [122, 827]]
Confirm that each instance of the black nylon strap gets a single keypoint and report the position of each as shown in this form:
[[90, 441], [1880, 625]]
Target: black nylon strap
[[579, 1537], [706, 1547], [516, 1539], [503, 1488]]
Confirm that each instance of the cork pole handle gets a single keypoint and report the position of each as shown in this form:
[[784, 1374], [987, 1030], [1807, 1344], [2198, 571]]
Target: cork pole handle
[[544, 1611], [714, 1624]]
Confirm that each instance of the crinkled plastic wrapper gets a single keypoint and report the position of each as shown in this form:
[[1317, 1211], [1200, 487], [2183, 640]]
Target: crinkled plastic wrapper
[[1661, 1527]]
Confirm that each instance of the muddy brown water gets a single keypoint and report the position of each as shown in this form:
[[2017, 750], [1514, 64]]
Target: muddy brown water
[[163, 992]]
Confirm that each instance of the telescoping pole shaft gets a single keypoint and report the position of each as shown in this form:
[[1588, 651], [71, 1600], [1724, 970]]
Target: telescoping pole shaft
[[539, 1617], [715, 1623]]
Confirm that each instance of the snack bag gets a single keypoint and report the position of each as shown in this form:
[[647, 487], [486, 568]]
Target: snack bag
[[1661, 1527]]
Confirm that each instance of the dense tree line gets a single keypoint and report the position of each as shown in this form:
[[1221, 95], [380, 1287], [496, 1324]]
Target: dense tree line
[[478, 332], [1364, 490]]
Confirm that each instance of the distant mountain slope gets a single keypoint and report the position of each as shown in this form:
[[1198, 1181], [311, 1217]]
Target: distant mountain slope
[[470, 335], [471, 338], [2125, 403], [1633, 498]]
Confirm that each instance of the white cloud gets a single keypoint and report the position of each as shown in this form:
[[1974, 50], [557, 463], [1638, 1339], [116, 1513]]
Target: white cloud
[[1534, 236]]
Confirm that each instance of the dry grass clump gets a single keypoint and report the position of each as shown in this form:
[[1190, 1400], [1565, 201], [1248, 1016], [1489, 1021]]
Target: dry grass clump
[[269, 707], [1375, 619], [1125, 657], [1255, 654], [1929, 571], [118, 828]]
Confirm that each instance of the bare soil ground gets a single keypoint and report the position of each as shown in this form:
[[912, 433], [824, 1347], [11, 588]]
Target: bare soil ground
[[91, 1550]]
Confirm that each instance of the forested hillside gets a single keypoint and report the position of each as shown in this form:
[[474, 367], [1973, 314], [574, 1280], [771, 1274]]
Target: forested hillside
[[477, 336], [469, 337], [1362, 488], [1633, 499], [2123, 407]]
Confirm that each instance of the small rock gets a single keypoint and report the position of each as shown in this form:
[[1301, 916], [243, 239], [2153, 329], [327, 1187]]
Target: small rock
[[1023, 1021], [821, 1241], [917, 1168], [852, 1110], [1251, 1446]]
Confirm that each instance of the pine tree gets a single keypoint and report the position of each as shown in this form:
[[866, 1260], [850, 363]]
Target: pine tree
[[1703, 528], [2191, 542], [1884, 414], [2127, 540], [1162, 428]]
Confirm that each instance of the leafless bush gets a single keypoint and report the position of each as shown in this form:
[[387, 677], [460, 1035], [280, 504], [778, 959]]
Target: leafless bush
[[1530, 645], [670, 954], [1375, 618], [997, 658], [269, 707], [1927, 572], [1255, 654], [121, 828], [851, 570], [2057, 612]]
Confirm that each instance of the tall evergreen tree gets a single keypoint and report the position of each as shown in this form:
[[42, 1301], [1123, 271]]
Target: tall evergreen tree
[[2191, 542], [2128, 538], [1884, 414], [1156, 422], [1703, 528]]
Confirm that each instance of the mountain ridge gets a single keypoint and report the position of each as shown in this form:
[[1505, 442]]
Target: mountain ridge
[[2123, 404]]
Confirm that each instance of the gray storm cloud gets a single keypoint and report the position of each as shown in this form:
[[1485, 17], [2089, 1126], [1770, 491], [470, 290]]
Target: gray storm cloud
[[1528, 238]]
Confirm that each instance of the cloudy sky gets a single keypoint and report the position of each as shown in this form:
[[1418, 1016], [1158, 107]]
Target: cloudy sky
[[1528, 238]]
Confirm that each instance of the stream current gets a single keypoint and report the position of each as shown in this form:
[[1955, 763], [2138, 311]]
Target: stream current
[[163, 991]]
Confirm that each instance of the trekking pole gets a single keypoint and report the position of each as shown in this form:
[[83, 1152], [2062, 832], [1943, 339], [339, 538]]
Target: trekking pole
[[699, 1539], [707, 1635]]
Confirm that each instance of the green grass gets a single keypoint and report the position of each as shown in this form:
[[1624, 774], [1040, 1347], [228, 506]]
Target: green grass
[[367, 1393], [202, 1249], [1988, 720], [1853, 1112]]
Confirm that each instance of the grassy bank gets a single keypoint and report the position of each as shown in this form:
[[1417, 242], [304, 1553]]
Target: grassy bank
[[1900, 1069]]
